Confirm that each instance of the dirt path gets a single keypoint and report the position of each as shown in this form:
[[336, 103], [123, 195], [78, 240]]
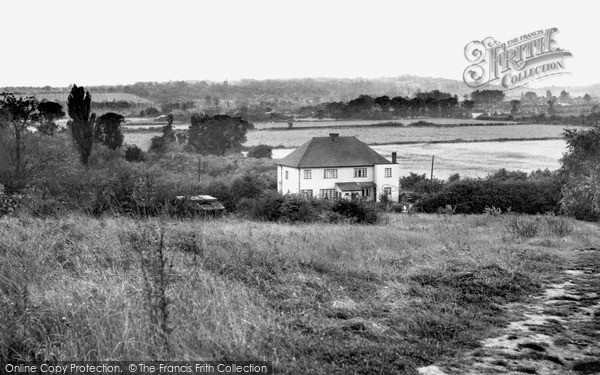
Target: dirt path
[[555, 333]]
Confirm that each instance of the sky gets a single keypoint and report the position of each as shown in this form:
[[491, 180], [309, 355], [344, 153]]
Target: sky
[[108, 42]]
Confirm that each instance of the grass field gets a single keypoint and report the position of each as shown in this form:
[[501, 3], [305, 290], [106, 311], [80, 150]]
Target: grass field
[[389, 135], [348, 123], [319, 299]]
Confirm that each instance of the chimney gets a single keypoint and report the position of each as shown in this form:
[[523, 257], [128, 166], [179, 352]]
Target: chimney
[[394, 157], [333, 136]]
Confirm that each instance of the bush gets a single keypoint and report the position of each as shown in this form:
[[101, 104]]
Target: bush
[[261, 151], [9, 203], [297, 209], [267, 207], [473, 196], [134, 154], [151, 112], [358, 211], [523, 227]]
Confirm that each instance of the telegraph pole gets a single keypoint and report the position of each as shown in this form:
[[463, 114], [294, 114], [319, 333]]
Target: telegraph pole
[[432, 161]]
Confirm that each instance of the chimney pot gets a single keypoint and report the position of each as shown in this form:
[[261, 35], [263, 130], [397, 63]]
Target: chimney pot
[[394, 157], [333, 136]]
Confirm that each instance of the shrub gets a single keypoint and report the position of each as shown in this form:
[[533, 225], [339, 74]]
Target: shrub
[[9, 203], [559, 226], [267, 207], [260, 151], [297, 209], [151, 112], [473, 196], [494, 211], [134, 154], [448, 210], [247, 186], [523, 227], [581, 172], [359, 211]]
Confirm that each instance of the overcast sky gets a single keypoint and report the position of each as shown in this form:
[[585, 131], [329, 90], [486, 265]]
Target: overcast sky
[[95, 42]]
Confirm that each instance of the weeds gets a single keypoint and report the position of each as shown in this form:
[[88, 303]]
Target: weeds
[[317, 298], [157, 275], [523, 227], [494, 211]]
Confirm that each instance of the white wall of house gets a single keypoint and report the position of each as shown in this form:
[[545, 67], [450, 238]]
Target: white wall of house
[[382, 181], [318, 180], [287, 183], [296, 181]]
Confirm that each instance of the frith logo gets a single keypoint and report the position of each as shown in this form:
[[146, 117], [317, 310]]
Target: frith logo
[[514, 63]]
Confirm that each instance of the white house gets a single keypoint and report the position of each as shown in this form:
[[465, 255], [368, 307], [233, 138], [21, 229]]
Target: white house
[[338, 167]]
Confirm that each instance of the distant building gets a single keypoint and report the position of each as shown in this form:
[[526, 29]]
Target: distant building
[[337, 167]]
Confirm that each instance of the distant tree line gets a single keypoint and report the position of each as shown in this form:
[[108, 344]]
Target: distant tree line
[[432, 104]]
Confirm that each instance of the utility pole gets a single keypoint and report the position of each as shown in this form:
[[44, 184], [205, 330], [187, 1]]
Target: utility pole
[[432, 161]]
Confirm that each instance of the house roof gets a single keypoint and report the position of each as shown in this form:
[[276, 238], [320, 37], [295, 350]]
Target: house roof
[[333, 151], [348, 186]]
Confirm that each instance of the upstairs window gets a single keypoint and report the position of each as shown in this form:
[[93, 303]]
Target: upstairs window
[[287, 175], [388, 172], [331, 173], [360, 172], [307, 174]]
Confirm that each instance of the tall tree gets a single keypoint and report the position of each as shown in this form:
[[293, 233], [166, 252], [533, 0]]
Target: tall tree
[[49, 113], [107, 130], [217, 134], [82, 123], [18, 113]]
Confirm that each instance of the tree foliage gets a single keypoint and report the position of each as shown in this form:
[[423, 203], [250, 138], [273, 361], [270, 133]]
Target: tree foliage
[[49, 113], [581, 173], [261, 151], [107, 130], [82, 122], [18, 113], [217, 134]]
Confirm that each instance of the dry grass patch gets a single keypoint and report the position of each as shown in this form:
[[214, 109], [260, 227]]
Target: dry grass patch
[[317, 298]]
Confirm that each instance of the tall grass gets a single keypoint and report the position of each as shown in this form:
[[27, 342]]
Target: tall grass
[[317, 298]]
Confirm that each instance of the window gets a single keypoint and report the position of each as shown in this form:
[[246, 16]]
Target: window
[[388, 172], [328, 193], [287, 175], [387, 191], [366, 192], [307, 174], [360, 172], [306, 193], [330, 173]]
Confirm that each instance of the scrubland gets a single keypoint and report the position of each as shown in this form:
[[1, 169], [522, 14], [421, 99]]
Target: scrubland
[[311, 298]]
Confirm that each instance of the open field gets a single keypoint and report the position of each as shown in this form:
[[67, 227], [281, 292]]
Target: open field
[[389, 135], [304, 123], [319, 299]]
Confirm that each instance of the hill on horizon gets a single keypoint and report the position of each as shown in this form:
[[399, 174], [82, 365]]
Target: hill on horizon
[[293, 92]]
